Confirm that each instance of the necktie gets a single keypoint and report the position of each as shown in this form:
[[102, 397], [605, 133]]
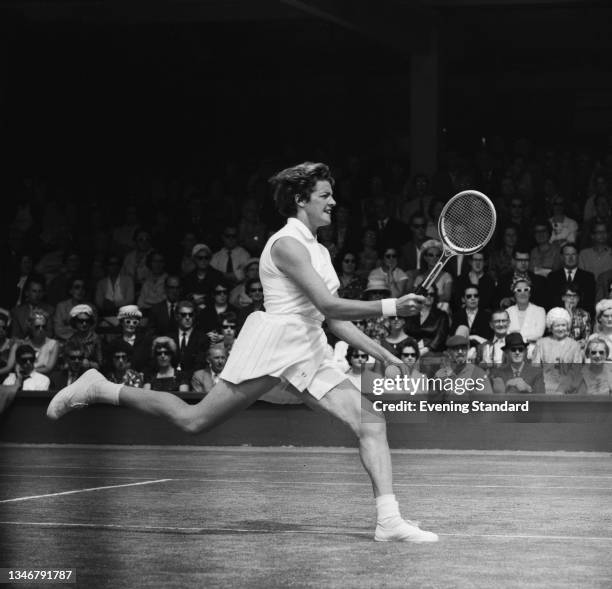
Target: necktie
[[172, 310], [230, 264], [183, 341], [569, 276]]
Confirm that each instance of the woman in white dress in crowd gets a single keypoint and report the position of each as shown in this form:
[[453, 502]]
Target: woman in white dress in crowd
[[287, 342], [525, 317]]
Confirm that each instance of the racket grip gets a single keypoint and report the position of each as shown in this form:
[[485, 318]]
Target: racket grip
[[421, 290]]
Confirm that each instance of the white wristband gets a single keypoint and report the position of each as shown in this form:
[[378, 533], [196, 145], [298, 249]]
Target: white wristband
[[389, 307]]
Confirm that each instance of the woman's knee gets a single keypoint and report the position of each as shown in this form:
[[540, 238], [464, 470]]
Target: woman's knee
[[190, 421], [372, 431]]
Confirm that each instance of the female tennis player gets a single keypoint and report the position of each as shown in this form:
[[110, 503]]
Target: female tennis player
[[286, 342]]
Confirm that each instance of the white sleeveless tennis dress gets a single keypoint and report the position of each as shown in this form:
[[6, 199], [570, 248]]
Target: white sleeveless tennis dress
[[287, 340]]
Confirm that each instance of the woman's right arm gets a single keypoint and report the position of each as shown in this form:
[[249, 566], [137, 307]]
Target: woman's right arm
[[292, 258]]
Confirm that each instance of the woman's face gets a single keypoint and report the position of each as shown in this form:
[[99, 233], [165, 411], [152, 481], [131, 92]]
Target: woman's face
[[369, 238], [570, 299], [409, 355], [163, 357], [38, 327], [228, 328], [349, 264], [432, 255], [25, 265], [560, 329], [358, 359], [510, 237], [130, 325], [397, 324], [522, 292], [429, 297], [597, 353], [390, 259], [606, 319], [83, 323]]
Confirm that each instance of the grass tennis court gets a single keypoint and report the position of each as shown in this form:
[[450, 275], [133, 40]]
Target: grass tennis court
[[286, 517]]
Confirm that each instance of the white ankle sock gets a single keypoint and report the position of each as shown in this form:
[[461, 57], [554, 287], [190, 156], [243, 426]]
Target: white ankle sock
[[108, 392], [387, 508]]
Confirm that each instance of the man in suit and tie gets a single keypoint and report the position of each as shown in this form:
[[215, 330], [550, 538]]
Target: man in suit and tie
[[389, 231], [162, 315], [205, 379], [571, 274], [518, 375], [191, 343], [231, 259], [410, 252]]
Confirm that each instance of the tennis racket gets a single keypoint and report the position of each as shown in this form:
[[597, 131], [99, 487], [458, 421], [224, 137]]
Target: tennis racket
[[466, 225]]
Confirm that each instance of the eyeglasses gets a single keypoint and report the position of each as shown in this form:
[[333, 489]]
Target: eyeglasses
[[82, 320], [26, 360], [409, 355], [390, 255], [203, 257], [396, 318], [162, 353], [471, 296], [75, 358], [517, 349], [120, 356], [521, 260], [459, 348], [38, 327], [131, 321], [349, 261], [256, 289], [526, 289], [432, 255], [430, 294], [221, 291], [229, 326], [597, 353], [360, 356], [186, 314]]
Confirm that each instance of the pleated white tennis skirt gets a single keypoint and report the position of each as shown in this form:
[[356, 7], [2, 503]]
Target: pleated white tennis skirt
[[291, 347]]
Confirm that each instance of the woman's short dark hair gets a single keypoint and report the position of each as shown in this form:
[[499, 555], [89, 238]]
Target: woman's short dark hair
[[298, 181], [410, 342], [249, 283]]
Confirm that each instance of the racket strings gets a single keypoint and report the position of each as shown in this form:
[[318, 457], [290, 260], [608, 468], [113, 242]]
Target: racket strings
[[467, 222]]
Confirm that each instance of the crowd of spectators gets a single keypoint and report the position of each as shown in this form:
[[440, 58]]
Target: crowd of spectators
[[151, 286]]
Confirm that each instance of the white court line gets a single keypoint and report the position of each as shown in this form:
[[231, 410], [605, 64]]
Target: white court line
[[318, 532], [358, 472], [82, 491], [311, 450]]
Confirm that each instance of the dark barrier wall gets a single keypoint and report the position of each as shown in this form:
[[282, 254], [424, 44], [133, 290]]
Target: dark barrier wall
[[552, 423]]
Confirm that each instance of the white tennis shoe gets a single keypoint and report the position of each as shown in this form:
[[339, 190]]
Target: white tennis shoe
[[77, 395], [403, 531]]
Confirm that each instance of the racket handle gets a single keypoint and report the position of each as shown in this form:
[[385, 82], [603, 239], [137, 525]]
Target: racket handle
[[421, 290]]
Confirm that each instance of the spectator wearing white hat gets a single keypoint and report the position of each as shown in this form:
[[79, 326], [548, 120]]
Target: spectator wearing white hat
[[199, 283], [129, 318], [83, 321]]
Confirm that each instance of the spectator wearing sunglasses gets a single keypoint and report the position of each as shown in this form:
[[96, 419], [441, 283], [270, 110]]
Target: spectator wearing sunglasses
[[62, 329], [25, 356], [352, 284], [525, 317], [83, 321], [231, 258], [191, 344], [596, 374], [520, 270], [358, 372], [199, 283], [516, 375], [475, 273], [119, 360], [129, 318], [238, 295], [254, 290], [389, 271], [471, 315], [74, 357], [164, 375]]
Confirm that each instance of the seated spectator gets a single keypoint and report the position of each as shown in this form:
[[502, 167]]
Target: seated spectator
[[190, 343], [358, 372], [410, 258], [477, 276], [604, 286], [597, 259], [15, 277], [238, 296], [564, 229], [46, 348], [603, 319], [60, 285], [229, 329], [430, 328], [162, 315], [114, 290], [341, 348], [251, 229], [31, 380], [472, 316], [129, 319], [135, 262], [34, 299], [231, 258], [599, 189], [351, 283], [367, 258], [459, 369], [394, 277], [417, 199], [431, 253], [198, 284], [491, 352], [153, 291], [164, 375], [520, 265], [517, 375], [396, 337], [603, 214], [580, 328], [254, 290], [61, 318], [545, 256], [378, 327], [558, 354], [596, 375], [409, 355], [570, 272], [6, 343], [525, 317], [185, 262], [120, 369], [500, 261], [210, 319], [205, 379], [390, 232], [327, 238], [74, 354], [83, 321]]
